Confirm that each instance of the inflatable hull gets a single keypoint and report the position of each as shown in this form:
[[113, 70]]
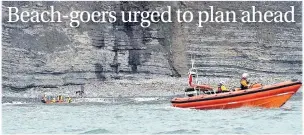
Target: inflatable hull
[[270, 96], [57, 102]]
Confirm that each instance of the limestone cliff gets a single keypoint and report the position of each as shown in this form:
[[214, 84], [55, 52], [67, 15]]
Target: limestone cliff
[[53, 55]]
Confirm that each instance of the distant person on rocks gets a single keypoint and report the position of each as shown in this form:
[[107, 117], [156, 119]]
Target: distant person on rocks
[[222, 87], [81, 92], [244, 82]]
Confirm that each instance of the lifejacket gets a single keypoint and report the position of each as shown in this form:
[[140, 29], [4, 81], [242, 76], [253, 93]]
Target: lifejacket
[[221, 88], [244, 83], [53, 100], [60, 98], [69, 100]]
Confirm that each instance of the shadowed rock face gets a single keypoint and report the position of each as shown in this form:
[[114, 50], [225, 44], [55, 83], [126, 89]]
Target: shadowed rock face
[[53, 55]]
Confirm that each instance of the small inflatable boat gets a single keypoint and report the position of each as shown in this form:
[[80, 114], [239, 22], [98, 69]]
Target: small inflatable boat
[[52, 100], [204, 97]]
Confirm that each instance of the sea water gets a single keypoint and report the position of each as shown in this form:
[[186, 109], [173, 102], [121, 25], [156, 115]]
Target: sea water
[[146, 115]]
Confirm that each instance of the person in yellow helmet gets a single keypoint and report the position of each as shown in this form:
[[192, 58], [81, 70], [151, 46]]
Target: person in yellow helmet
[[222, 87], [58, 98], [244, 82]]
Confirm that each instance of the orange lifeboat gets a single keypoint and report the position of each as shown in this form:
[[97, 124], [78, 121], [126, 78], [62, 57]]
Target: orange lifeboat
[[269, 96]]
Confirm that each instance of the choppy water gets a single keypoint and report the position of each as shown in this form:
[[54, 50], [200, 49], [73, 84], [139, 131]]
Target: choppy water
[[147, 115]]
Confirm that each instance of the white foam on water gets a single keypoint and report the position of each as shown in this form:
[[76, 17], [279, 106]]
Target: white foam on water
[[145, 99], [170, 107], [96, 100], [14, 103]]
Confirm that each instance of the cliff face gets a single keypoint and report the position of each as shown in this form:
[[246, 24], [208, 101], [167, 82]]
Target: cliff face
[[52, 55]]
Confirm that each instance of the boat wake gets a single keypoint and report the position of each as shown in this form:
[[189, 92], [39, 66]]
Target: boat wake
[[121, 100], [97, 131], [102, 100], [13, 103], [94, 100], [146, 99]]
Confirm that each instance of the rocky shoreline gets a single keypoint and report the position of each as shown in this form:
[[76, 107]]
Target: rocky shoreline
[[157, 86]]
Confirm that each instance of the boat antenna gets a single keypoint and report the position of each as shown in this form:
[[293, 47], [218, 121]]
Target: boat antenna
[[192, 62], [193, 68]]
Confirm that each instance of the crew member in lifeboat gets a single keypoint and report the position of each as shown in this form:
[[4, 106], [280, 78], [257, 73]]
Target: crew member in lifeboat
[[222, 87], [43, 99], [69, 99], [244, 82], [53, 100], [60, 98]]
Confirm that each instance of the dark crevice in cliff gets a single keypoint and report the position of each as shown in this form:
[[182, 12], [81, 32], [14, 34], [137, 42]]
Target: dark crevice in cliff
[[68, 84], [18, 89], [134, 59], [99, 72], [115, 64]]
